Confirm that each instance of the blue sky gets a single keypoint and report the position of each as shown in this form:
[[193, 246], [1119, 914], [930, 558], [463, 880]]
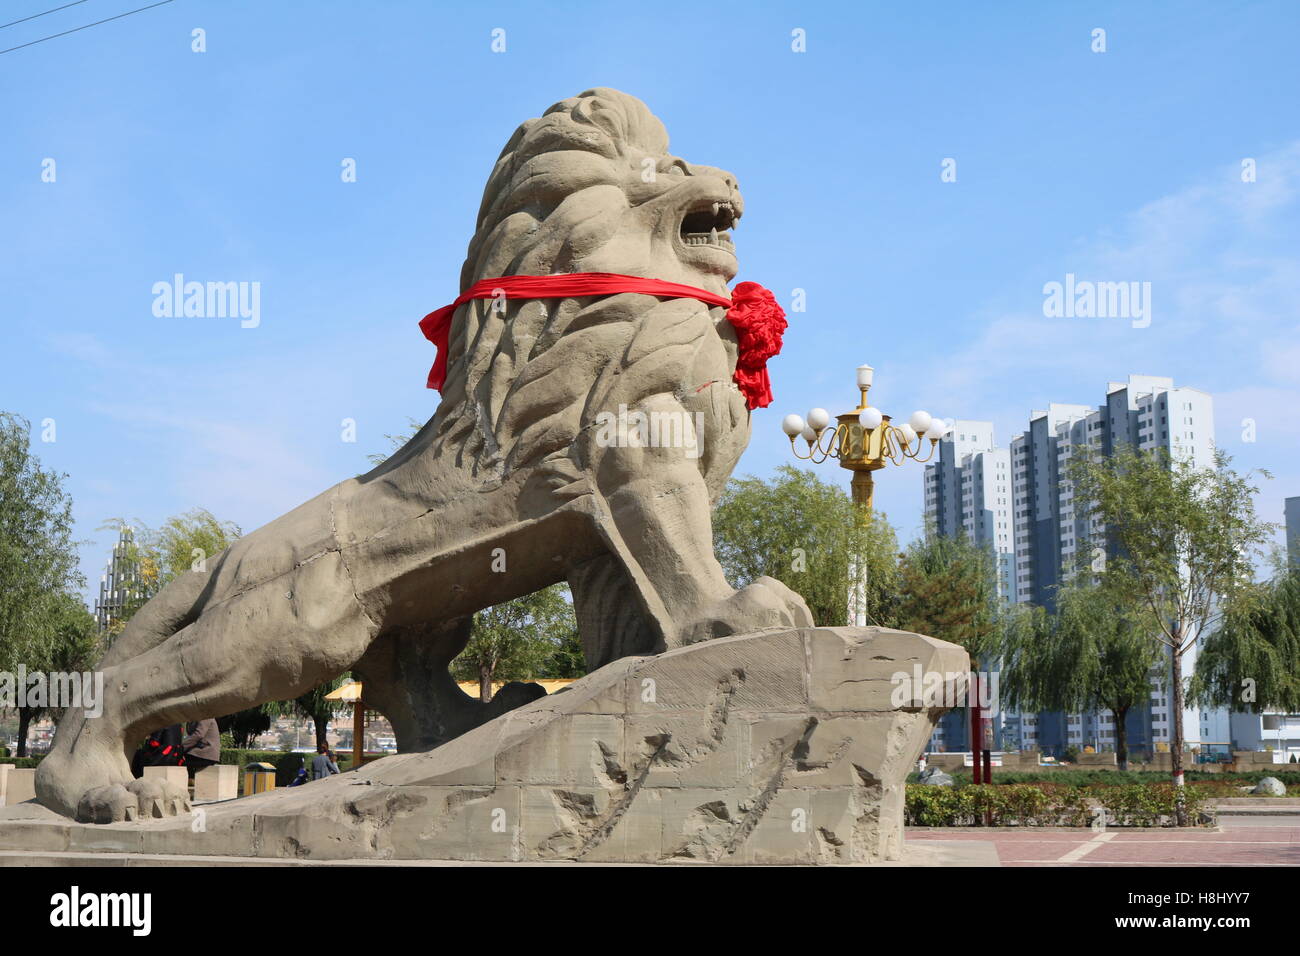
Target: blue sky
[[225, 165]]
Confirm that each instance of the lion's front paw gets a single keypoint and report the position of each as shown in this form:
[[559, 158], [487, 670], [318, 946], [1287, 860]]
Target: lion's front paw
[[788, 601], [159, 798], [145, 799], [766, 602]]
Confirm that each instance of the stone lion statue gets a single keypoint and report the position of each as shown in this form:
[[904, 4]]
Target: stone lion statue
[[508, 487]]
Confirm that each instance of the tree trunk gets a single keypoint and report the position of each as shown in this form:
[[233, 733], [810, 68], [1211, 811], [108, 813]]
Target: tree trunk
[[322, 729], [24, 722], [1176, 738], [1121, 737], [484, 683]]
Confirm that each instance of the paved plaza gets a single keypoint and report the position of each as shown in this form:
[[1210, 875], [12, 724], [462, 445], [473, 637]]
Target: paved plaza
[[1236, 841]]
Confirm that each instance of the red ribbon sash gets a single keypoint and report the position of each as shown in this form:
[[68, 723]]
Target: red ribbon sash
[[758, 319]]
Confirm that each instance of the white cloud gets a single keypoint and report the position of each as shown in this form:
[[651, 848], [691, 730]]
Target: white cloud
[[1223, 258]]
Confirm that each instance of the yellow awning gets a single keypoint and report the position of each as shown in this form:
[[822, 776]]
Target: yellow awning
[[350, 691]]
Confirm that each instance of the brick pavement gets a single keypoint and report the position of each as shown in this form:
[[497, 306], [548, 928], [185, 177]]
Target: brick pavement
[[1237, 841]]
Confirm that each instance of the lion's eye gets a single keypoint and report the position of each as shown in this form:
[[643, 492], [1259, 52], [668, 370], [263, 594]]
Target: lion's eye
[[675, 166]]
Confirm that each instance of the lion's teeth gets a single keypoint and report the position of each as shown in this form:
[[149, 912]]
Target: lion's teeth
[[713, 236], [716, 207]]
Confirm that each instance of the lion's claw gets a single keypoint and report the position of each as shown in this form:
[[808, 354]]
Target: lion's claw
[[159, 798], [144, 799]]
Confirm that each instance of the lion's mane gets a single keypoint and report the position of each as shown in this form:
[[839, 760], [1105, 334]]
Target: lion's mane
[[523, 381]]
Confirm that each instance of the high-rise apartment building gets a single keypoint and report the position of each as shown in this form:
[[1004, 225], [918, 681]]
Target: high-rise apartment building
[[1020, 502], [968, 490]]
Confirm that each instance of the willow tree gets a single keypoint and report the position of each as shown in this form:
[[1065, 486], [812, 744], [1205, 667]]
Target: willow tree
[[1090, 652], [1251, 662], [1182, 541], [41, 621], [69, 644], [809, 535]]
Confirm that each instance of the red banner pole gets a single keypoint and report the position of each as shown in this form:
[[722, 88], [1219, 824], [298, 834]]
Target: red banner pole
[[976, 766]]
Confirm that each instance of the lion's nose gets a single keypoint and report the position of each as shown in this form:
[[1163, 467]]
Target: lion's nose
[[694, 169]]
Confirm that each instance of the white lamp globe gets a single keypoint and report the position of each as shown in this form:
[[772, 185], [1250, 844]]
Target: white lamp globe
[[908, 434], [870, 418], [809, 435], [920, 421], [818, 418], [938, 428], [792, 425]]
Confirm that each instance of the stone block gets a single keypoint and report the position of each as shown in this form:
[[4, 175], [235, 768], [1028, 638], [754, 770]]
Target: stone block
[[637, 832], [20, 786], [698, 824], [735, 673], [561, 823], [585, 750], [218, 782], [461, 823], [870, 669], [176, 775], [688, 749], [778, 829]]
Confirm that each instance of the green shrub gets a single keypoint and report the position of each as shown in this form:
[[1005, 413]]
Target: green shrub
[[930, 806], [1047, 805], [1028, 806], [1112, 778]]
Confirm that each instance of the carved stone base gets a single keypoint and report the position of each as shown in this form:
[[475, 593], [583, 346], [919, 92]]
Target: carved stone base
[[780, 747]]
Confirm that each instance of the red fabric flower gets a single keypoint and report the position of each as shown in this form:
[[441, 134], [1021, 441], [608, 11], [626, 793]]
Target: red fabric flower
[[760, 323]]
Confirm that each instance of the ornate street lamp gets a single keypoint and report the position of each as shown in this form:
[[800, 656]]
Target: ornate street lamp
[[863, 440]]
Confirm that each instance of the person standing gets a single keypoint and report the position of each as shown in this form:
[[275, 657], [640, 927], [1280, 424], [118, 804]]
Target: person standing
[[162, 748], [202, 745], [323, 765]]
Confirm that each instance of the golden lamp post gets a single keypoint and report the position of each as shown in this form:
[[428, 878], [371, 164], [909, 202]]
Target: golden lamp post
[[863, 440]]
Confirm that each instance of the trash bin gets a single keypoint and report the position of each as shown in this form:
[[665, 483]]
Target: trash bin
[[258, 778]]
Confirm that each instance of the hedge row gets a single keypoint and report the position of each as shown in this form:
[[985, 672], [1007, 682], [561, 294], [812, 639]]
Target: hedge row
[[22, 763], [1110, 778], [1047, 805], [286, 763]]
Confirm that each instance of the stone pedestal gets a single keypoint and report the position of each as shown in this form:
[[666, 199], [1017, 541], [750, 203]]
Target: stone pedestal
[[20, 786], [781, 746], [218, 782], [176, 775], [5, 768]]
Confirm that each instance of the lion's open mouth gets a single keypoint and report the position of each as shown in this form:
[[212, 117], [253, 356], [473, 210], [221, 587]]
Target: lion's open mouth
[[708, 225]]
